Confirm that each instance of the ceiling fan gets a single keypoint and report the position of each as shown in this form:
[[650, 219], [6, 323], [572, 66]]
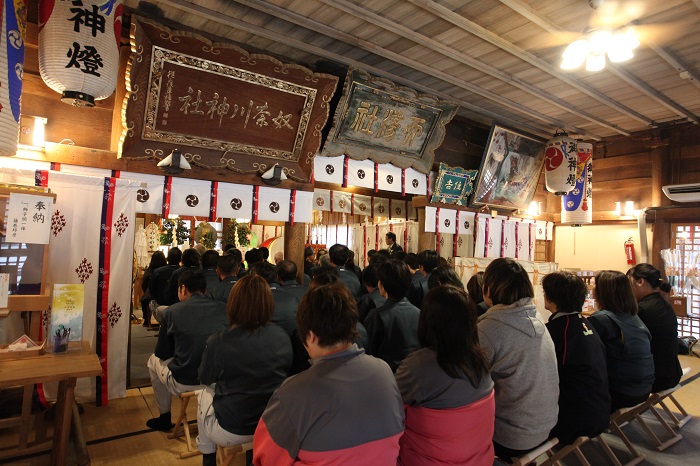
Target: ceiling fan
[[614, 32]]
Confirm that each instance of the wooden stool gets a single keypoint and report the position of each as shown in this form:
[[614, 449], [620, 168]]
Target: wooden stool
[[566, 450], [532, 455], [668, 395], [617, 419], [226, 455], [654, 399], [182, 421]]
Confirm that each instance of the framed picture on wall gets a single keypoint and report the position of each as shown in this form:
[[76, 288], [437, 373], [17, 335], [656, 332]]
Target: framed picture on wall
[[510, 169]]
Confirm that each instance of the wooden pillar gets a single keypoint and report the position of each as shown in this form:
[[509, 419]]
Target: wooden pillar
[[426, 240], [294, 243], [551, 246]]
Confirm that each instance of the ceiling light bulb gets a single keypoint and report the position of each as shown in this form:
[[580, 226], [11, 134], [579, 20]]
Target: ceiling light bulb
[[599, 41], [575, 54], [619, 54], [595, 62]]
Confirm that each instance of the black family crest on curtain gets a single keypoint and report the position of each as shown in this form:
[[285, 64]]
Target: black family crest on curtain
[[386, 123]]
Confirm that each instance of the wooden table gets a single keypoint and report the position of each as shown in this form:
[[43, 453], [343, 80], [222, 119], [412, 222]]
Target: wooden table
[[63, 368]]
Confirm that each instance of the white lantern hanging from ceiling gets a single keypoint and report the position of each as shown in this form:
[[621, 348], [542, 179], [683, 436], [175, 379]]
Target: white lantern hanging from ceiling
[[560, 163], [13, 25], [79, 48], [577, 205]]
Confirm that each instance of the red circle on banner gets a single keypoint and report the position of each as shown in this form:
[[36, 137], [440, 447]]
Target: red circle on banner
[[553, 158]]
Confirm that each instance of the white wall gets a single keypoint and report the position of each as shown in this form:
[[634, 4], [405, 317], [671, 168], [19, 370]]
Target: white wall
[[596, 247]]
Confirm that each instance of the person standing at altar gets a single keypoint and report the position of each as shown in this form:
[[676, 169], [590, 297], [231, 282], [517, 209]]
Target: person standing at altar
[[392, 246], [184, 330]]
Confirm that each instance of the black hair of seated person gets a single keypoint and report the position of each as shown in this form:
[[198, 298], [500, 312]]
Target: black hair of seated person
[[447, 324], [474, 287], [308, 252], [194, 280], [651, 275], [379, 257], [265, 252], [228, 247], [253, 256], [228, 265], [287, 270], [429, 260], [370, 275], [158, 260], [350, 263], [174, 256], [209, 259], [370, 253], [324, 275], [235, 252], [395, 278], [411, 260], [444, 275], [507, 281], [330, 312], [391, 235], [399, 255], [613, 291], [191, 258], [339, 253], [566, 290], [265, 270]]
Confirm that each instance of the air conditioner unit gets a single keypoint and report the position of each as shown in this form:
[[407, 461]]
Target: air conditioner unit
[[683, 192]]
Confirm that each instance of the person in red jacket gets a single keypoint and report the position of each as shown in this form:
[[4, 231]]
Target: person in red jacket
[[345, 409], [446, 386]]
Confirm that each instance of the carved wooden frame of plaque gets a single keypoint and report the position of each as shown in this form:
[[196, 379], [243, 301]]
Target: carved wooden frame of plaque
[[357, 81], [159, 54]]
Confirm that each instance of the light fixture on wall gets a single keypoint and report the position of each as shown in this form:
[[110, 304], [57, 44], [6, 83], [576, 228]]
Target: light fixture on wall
[[174, 163], [618, 45], [31, 132], [626, 211], [535, 209]]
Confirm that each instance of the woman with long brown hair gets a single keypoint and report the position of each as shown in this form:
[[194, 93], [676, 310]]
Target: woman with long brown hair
[[626, 339], [446, 386], [241, 367]]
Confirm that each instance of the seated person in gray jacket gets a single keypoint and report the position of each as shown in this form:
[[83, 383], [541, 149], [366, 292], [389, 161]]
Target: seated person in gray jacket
[[183, 334]]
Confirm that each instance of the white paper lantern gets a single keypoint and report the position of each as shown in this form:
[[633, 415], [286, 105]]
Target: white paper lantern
[[13, 27], [79, 48], [560, 163], [577, 205]]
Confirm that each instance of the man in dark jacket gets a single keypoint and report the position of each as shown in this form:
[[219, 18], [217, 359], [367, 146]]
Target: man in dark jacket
[[186, 325], [285, 303], [159, 281], [339, 255], [428, 260], [227, 270], [287, 277], [392, 328], [373, 298], [190, 260], [210, 259]]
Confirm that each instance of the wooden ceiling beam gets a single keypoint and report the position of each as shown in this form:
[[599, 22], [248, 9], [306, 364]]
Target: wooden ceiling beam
[[498, 41], [553, 28], [676, 62], [478, 65]]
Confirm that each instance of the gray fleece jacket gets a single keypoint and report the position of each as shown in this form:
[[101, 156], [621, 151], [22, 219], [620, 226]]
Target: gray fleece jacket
[[524, 371]]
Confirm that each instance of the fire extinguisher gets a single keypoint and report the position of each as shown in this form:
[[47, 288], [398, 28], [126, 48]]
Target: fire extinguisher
[[629, 251]]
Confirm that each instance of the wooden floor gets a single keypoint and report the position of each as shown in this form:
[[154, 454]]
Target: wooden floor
[[116, 434]]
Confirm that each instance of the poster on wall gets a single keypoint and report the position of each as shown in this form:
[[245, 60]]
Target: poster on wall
[[510, 169]]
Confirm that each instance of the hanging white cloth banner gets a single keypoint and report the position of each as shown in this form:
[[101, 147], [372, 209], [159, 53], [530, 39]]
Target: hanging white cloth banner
[[329, 169], [415, 182], [234, 201], [430, 214], [360, 173], [523, 232], [494, 239], [465, 245], [447, 221], [85, 171], [389, 177], [303, 207], [412, 212], [358, 246], [412, 237], [509, 241], [381, 207], [342, 235], [541, 230], [383, 229], [341, 202], [371, 237], [399, 229], [480, 229], [466, 223], [273, 204], [361, 205], [550, 231], [397, 210], [149, 196], [189, 197], [331, 235], [322, 200]]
